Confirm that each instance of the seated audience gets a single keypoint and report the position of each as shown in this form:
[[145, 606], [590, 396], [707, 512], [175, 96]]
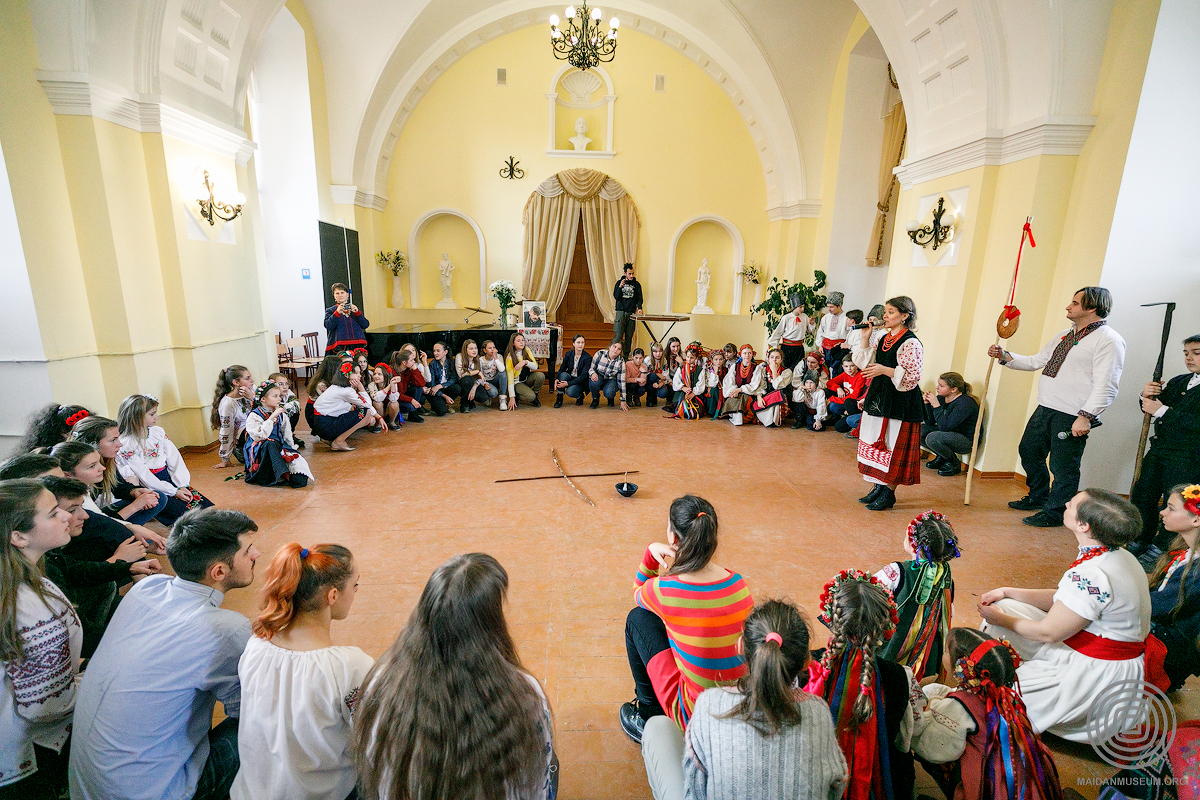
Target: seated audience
[[30, 465], [524, 381], [1090, 633], [769, 402], [147, 457], [572, 378], [49, 426], [271, 457], [658, 378], [949, 427], [340, 410], [145, 704], [471, 384], [979, 733], [345, 324], [923, 589], [385, 395], [765, 737], [690, 385], [412, 369], [232, 400], [815, 362], [40, 645], [291, 403], [714, 380], [742, 382], [444, 379], [454, 667], [1175, 586], [875, 703], [845, 391], [635, 376], [682, 637], [299, 690], [606, 375], [91, 585], [321, 380], [116, 496], [808, 403], [491, 369]]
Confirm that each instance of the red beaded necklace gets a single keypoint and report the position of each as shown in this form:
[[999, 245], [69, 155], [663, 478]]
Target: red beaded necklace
[[1088, 554], [891, 338]]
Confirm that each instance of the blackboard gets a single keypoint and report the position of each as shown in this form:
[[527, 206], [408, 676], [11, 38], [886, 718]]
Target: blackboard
[[334, 242]]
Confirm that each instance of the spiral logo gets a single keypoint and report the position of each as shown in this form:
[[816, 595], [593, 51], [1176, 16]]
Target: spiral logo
[[1131, 724]]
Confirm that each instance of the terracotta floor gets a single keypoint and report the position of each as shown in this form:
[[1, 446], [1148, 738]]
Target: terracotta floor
[[404, 502]]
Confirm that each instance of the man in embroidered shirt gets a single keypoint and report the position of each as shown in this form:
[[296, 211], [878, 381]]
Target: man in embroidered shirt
[[345, 324], [143, 718], [607, 375], [1081, 368]]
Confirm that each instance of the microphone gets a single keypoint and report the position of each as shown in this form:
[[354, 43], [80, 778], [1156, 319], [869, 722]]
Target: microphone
[[866, 325]]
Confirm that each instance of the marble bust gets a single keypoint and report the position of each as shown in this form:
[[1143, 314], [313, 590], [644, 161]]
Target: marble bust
[[445, 267], [579, 140]]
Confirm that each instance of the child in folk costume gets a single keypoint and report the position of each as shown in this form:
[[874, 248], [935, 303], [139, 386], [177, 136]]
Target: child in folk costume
[[770, 403], [979, 733], [232, 400], [290, 403], [833, 330], [814, 362], [924, 592], [658, 376], [148, 458], [690, 383], [876, 704], [341, 409], [271, 457], [714, 376], [731, 352], [1175, 586], [362, 361], [741, 384], [808, 403], [790, 333], [321, 380], [385, 395]]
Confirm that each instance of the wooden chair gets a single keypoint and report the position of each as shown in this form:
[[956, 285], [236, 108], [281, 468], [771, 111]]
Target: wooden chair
[[312, 345], [286, 365], [303, 363]]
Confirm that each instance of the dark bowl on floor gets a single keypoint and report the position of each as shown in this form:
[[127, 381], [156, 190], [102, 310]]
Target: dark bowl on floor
[[626, 489]]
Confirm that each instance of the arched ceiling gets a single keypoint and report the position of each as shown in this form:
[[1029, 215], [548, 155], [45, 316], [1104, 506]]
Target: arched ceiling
[[973, 73]]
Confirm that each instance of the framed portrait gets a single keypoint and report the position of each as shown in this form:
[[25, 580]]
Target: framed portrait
[[533, 314]]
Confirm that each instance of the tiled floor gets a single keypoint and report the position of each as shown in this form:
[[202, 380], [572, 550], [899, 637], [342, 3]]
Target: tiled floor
[[404, 502]]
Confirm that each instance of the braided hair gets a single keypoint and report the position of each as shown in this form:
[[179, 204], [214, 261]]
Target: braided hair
[[861, 617]]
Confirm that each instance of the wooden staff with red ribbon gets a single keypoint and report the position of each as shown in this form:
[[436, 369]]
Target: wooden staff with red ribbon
[[1006, 326]]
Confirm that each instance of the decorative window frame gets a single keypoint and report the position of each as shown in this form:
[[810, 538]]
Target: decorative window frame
[[554, 102]]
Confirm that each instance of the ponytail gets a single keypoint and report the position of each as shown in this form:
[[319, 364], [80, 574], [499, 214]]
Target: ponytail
[[694, 523], [956, 381], [769, 701], [295, 581], [225, 381]]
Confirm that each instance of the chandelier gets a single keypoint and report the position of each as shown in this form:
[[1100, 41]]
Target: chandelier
[[582, 43]]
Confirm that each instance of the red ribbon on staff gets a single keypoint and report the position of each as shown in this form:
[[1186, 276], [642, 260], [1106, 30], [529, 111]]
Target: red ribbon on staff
[[1011, 311]]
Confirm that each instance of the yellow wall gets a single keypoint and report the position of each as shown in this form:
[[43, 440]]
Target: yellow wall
[[456, 238], [680, 154]]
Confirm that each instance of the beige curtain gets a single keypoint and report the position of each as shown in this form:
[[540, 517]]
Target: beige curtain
[[895, 128], [610, 230]]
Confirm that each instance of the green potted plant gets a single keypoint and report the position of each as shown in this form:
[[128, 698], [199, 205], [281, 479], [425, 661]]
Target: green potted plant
[[397, 262], [776, 302]]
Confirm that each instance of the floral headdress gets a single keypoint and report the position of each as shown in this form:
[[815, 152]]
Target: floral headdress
[[845, 576], [358, 351], [385, 368], [695, 347], [1191, 498], [973, 679], [78, 416], [346, 368], [261, 390], [922, 551], [753, 352]]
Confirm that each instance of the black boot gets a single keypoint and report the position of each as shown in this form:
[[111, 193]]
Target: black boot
[[885, 500], [870, 497], [935, 463], [595, 402], [651, 400], [579, 400], [558, 398]]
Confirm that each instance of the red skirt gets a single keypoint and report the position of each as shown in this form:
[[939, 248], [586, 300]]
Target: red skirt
[[905, 466]]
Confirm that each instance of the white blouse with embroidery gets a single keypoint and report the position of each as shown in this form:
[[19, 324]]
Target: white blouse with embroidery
[[137, 462]]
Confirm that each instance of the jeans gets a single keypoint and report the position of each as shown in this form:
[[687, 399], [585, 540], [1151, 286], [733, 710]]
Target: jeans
[[482, 393], [416, 393], [575, 391], [662, 752], [946, 445], [833, 360], [1041, 440], [499, 384], [645, 637], [636, 390], [223, 762], [146, 514], [608, 386], [438, 402], [624, 327], [848, 422]]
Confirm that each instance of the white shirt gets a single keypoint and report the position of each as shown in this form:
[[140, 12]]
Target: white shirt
[[864, 355], [137, 462], [833, 326], [338, 400], [1112, 591], [294, 732], [1087, 380], [794, 327]]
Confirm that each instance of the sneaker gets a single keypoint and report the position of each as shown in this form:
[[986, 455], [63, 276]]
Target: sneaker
[[631, 721], [636, 402], [466, 409], [504, 404], [1043, 519], [299, 443], [416, 418], [1026, 503], [393, 426]]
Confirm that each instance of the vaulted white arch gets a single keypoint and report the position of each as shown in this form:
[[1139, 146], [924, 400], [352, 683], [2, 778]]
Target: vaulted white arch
[[414, 250], [739, 258]]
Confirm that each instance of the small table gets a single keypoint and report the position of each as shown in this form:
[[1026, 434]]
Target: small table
[[671, 318]]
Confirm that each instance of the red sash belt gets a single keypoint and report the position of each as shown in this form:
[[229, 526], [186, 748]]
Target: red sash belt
[[829, 344], [1104, 649], [793, 342]]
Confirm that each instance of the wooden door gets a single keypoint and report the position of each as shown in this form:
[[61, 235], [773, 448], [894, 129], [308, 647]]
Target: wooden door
[[579, 303]]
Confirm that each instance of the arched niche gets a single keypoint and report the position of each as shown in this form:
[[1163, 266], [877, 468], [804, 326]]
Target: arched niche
[[718, 272], [557, 146], [414, 253]]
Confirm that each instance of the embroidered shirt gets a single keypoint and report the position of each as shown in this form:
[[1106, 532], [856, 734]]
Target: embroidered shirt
[[1085, 382], [1111, 592], [792, 329]]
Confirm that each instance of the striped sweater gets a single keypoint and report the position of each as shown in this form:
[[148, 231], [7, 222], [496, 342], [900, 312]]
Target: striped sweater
[[704, 623]]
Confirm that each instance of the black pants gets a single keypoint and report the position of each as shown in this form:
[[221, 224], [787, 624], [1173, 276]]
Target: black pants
[[645, 637], [437, 402], [793, 354], [1041, 440], [1161, 470]]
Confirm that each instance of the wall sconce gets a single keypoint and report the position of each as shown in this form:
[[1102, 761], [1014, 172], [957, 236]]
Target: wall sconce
[[211, 207], [940, 232]]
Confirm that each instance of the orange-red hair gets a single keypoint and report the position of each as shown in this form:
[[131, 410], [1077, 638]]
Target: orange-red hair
[[296, 579]]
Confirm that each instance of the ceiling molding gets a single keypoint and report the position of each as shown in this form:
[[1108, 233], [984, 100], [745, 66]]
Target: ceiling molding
[[346, 195], [1054, 136], [81, 95], [805, 209]]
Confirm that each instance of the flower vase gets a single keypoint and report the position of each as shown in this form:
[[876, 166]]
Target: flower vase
[[397, 292], [758, 293], [503, 318]]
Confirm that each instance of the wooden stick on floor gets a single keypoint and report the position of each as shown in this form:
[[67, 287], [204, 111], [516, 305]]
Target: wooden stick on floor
[[556, 477], [563, 472]]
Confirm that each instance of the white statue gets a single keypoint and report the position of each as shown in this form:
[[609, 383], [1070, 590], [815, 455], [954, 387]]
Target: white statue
[[703, 279], [445, 267], [579, 140]]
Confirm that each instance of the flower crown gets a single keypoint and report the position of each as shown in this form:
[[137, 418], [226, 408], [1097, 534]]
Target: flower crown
[[385, 368], [845, 576], [922, 551], [1191, 498], [358, 351], [261, 390], [970, 676], [346, 368], [695, 347], [78, 416]]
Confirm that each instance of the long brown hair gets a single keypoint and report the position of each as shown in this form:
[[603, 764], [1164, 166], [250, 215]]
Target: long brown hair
[[769, 703], [448, 711], [694, 522], [861, 614], [18, 505], [468, 363], [131, 416], [296, 579], [225, 381], [1160, 569], [325, 371], [958, 382], [91, 431]]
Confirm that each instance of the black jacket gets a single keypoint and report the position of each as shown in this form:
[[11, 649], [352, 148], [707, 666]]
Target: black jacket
[[1178, 430], [629, 296], [957, 416], [585, 364]]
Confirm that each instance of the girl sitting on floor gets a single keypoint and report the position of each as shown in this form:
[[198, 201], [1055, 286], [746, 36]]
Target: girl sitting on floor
[[413, 372], [978, 735], [689, 384], [636, 379], [232, 400], [113, 494], [444, 385], [924, 592], [741, 384], [321, 380], [714, 379], [769, 402], [472, 386], [815, 362], [341, 410], [50, 425], [362, 361], [524, 381], [299, 689], [780, 736], [682, 637], [658, 376], [271, 457], [674, 356], [1175, 586], [808, 403], [148, 457], [385, 396], [871, 698], [454, 668], [491, 369], [291, 403]]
